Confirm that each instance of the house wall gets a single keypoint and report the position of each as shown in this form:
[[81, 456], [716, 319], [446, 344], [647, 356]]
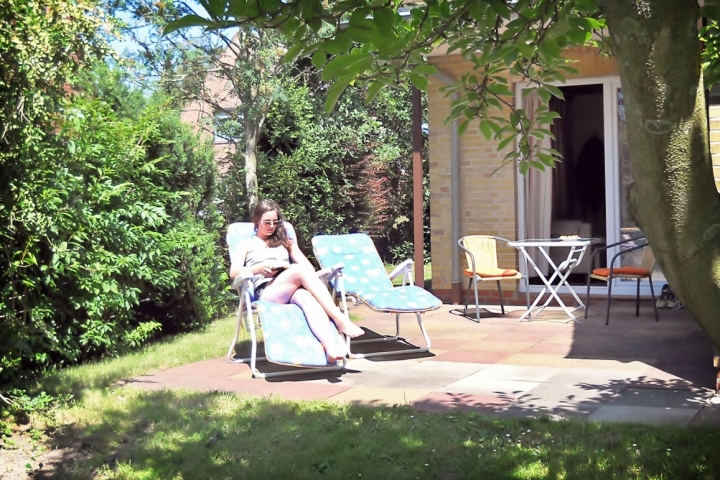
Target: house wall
[[488, 202], [714, 115], [200, 113]]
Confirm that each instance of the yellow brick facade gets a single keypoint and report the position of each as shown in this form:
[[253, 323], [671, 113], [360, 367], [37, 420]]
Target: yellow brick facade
[[714, 115], [488, 202]]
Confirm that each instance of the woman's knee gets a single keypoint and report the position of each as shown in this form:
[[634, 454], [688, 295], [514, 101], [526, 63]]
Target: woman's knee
[[301, 272], [301, 296]]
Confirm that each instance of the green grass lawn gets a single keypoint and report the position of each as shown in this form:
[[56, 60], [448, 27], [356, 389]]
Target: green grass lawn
[[109, 431]]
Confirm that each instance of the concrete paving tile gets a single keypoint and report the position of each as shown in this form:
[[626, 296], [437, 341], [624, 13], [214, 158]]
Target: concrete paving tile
[[525, 373], [381, 364], [473, 357], [580, 397], [644, 415], [447, 402], [478, 385], [539, 359], [378, 396], [589, 377], [656, 378], [610, 364], [563, 338], [506, 346], [418, 376], [652, 397], [550, 349], [697, 376], [616, 352], [447, 344], [709, 415], [533, 336]]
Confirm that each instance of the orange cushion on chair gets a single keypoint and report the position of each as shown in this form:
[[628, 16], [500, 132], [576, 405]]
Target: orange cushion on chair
[[634, 271], [492, 272]]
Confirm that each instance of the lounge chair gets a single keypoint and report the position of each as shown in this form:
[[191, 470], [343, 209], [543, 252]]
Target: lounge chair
[[363, 277], [288, 339]]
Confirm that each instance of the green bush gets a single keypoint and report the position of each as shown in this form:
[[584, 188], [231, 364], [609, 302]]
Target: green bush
[[101, 262]]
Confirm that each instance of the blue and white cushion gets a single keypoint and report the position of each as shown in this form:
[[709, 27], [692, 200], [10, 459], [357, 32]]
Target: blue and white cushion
[[288, 338], [365, 276]]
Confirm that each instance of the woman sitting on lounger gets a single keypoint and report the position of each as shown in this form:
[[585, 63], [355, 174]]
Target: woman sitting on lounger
[[267, 256]]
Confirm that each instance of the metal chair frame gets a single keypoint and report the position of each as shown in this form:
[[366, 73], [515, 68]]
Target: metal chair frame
[[613, 275], [474, 279], [246, 317]]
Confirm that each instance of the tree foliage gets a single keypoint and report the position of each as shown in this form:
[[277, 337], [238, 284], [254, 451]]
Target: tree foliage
[[239, 75], [335, 173], [381, 43], [107, 224]]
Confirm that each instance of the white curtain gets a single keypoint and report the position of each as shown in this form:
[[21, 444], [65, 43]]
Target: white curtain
[[538, 193]]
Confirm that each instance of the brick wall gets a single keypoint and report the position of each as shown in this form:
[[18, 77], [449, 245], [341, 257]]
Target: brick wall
[[200, 113], [715, 141], [488, 202]]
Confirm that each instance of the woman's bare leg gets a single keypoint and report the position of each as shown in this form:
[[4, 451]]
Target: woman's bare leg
[[319, 323], [286, 284]]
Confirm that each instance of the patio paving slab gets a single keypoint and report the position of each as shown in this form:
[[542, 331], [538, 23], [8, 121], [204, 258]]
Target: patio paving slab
[[645, 415], [634, 370], [448, 402], [490, 386], [370, 396], [653, 397]]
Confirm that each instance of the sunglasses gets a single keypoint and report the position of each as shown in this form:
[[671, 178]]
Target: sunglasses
[[270, 223]]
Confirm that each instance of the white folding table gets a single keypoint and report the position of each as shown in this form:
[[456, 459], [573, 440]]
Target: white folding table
[[560, 272]]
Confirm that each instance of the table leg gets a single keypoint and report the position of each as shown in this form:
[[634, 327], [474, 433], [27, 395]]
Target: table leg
[[567, 266]]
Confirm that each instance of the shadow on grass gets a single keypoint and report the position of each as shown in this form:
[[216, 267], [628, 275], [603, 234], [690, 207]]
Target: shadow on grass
[[166, 434]]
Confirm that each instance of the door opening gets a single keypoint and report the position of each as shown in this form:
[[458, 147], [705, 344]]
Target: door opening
[[578, 183]]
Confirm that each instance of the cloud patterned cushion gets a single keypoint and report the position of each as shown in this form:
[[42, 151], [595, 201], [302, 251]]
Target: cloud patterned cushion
[[288, 338], [365, 276]]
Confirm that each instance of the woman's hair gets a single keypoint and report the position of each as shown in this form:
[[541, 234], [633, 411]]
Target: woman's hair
[[279, 236]]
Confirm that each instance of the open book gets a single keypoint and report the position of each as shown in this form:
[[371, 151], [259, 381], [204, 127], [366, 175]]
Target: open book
[[279, 264]]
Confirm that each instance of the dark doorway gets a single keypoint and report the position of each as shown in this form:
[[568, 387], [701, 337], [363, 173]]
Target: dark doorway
[[578, 202]]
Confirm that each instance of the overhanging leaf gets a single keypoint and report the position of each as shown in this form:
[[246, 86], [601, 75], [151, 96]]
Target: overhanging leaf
[[186, 22], [334, 92], [373, 90], [341, 64]]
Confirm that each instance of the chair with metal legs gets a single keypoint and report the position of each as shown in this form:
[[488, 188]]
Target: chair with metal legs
[[644, 271], [287, 337], [363, 277], [481, 255]]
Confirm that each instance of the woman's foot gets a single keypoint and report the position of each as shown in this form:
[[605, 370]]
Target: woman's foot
[[337, 351], [350, 329]]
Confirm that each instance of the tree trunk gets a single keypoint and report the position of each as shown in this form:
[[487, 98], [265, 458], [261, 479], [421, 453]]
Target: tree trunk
[[674, 197], [252, 135]]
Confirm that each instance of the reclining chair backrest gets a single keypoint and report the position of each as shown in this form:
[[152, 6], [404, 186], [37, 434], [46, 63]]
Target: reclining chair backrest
[[240, 232], [356, 251]]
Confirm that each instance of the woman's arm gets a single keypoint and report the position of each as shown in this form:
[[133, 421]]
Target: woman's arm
[[238, 266], [298, 256]]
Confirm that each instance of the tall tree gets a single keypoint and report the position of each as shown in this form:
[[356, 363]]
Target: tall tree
[[657, 45], [238, 75]]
